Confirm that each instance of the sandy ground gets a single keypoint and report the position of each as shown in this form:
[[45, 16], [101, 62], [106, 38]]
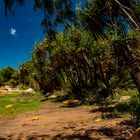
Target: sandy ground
[[54, 122]]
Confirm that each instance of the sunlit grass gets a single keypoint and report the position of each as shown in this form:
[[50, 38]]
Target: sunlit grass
[[13, 104]]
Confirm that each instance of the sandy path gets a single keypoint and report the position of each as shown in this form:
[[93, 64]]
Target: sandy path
[[54, 122]]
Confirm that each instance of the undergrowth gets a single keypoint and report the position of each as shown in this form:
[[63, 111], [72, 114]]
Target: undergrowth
[[13, 104]]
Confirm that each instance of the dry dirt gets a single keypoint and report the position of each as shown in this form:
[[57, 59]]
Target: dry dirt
[[54, 122]]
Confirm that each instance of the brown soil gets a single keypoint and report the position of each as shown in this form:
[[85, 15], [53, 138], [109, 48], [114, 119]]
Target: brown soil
[[54, 122]]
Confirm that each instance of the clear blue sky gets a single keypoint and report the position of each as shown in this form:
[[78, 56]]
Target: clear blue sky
[[18, 35]]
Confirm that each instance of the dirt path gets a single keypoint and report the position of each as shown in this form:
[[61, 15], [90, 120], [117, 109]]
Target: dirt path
[[54, 122]]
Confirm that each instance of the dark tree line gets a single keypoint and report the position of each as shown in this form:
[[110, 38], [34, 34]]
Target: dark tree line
[[94, 49]]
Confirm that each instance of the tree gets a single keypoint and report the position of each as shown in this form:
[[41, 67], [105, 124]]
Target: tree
[[9, 76], [115, 17], [26, 75], [76, 60], [127, 51], [99, 13], [43, 72], [100, 17]]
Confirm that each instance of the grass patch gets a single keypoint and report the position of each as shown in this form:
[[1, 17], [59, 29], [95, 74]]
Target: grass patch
[[13, 104]]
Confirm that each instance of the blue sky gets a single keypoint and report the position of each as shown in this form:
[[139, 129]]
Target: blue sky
[[18, 35]]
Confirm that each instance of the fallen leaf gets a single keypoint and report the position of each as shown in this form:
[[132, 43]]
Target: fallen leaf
[[98, 120], [53, 96], [69, 102], [26, 124], [9, 106], [88, 107], [35, 118]]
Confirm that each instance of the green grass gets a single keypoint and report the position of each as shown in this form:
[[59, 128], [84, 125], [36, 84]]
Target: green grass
[[21, 102]]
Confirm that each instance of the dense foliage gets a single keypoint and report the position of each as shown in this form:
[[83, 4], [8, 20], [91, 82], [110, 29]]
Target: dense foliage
[[97, 54], [79, 61], [9, 76]]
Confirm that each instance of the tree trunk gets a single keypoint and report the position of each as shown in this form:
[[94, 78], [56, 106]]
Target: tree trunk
[[127, 58]]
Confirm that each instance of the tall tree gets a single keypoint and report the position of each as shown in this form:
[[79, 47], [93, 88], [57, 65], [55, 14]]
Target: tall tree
[[97, 16], [8, 75], [117, 17]]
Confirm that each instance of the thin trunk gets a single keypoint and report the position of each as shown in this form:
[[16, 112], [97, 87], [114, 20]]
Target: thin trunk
[[130, 61], [134, 69], [92, 70], [69, 78], [78, 75], [132, 17], [61, 73]]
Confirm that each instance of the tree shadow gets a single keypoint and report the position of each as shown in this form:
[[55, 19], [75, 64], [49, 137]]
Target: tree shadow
[[113, 133], [70, 106], [37, 137], [106, 131], [74, 137], [44, 100], [101, 133], [103, 109], [106, 112], [128, 122]]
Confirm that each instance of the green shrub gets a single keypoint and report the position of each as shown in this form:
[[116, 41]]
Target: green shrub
[[134, 106]]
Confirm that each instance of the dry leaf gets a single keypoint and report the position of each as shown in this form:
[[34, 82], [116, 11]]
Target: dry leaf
[[68, 102], [9, 106], [35, 118], [98, 120]]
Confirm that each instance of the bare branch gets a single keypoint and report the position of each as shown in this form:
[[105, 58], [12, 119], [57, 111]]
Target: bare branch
[[129, 16]]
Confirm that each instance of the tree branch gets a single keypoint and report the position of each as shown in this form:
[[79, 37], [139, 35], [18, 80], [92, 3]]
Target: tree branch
[[129, 16]]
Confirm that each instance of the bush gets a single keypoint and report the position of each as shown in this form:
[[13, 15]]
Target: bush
[[134, 106], [131, 106]]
